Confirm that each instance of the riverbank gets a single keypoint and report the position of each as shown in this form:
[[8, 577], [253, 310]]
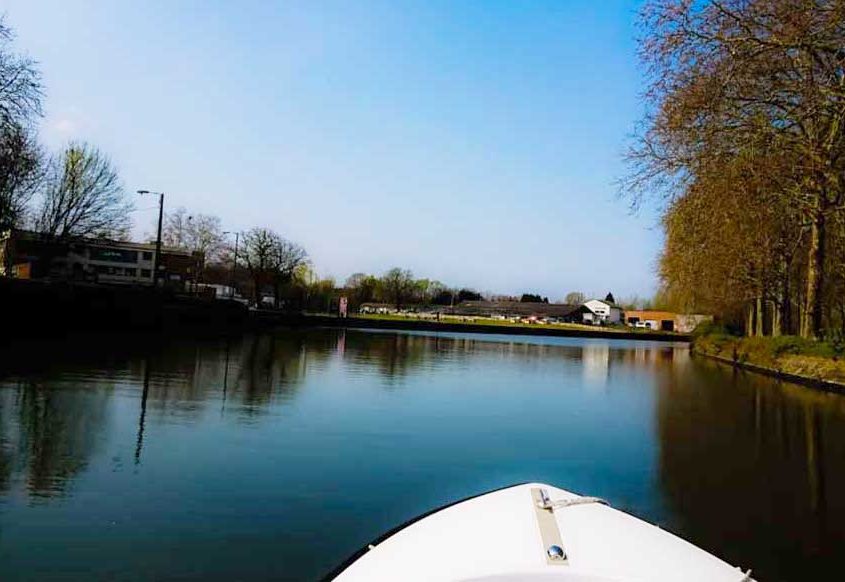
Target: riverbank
[[49, 309], [39, 309], [811, 363], [486, 328]]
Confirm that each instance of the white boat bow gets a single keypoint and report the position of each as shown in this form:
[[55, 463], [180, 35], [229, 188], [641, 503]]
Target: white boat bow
[[535, 533]]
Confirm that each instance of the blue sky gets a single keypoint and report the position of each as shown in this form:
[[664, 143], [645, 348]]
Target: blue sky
[[473, 142]]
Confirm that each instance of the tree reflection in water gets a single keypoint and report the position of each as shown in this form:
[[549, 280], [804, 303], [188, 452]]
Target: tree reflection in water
[[743, 466], [747, 468], [49, 433], [51, 422]]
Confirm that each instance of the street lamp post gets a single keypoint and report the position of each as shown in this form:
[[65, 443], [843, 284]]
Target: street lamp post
[[156, 258], [234, 264]]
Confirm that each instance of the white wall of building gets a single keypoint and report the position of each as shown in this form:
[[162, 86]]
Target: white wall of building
[[115, 262], [603, 312]]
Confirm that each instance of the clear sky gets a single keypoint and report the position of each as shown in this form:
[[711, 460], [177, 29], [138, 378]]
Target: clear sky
[[472, 142]]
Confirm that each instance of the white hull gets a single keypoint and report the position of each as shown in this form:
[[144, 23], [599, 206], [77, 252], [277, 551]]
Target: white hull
[[505, 536]]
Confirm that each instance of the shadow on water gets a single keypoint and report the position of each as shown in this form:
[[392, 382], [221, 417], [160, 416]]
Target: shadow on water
[[748, 464]]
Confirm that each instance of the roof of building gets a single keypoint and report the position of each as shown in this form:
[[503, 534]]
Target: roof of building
[[96, 241], [650, 315], [515, 308], [606, 302]]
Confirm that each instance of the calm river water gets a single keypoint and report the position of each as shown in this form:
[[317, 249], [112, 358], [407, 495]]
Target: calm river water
[[275, 456]]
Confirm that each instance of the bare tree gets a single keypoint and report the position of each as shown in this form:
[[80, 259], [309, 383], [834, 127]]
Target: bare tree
[[20, 105], [83, 196], [271, 259], [21, 172], [355, 280], [398, 286], [258, 256], [194, 232], [20, 84], [575, 298], [174, 228], [361, 288], [289, 257], [206, 236]]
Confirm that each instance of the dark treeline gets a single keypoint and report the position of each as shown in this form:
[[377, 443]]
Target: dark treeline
[[398, 288], [744, 144]]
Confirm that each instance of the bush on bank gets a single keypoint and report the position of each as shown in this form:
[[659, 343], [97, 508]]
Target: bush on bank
[[814, 359]]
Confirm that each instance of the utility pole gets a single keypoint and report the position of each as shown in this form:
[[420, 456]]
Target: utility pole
[[234, 264], [157, 257]]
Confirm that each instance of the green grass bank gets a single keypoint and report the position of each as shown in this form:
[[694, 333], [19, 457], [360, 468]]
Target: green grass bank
[[812, 362]]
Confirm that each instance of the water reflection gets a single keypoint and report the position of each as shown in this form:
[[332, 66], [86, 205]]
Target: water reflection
[[741, 454], [48, 435], [145, 393], [229, 432], [52, 418], [596, 364]]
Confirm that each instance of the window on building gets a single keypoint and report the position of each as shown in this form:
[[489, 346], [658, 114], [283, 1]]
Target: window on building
[[146, 273], [131, 272], [147, 256]]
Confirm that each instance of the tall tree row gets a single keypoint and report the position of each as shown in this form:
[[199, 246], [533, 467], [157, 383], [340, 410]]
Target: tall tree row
[[743, 143]]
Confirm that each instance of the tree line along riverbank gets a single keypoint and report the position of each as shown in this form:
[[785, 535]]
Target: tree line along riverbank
[[742, 145]]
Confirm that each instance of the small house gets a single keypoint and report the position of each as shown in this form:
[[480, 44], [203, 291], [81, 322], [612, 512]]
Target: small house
[[599, 312]]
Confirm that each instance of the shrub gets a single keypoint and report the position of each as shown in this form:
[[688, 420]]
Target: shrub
[[710, 328]]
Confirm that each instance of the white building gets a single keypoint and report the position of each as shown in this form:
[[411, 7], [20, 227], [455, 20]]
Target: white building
[[598, 312], [31, 255], [111, 261]]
